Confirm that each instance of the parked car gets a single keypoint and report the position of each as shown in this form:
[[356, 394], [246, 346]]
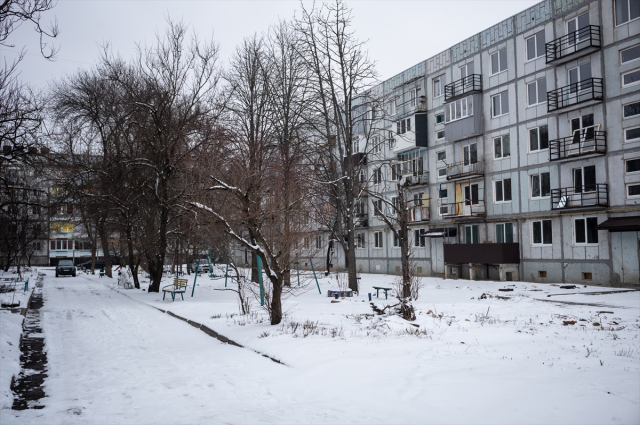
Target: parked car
[[204, 265], [65, 267], [99, 265]]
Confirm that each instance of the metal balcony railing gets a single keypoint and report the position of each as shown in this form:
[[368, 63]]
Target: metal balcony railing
[[464, 86], [465, 169], [586, 90], [583, 142], [467, 208], [589, 195], [577, 41], [415, 178]]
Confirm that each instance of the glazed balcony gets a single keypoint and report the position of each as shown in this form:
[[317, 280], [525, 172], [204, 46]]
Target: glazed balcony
[[585, 196], [574, 45], [586, 92], [463, 87], [584, 142]]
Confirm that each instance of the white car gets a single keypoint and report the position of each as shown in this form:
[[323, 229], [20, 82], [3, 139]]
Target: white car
[[204, 265]]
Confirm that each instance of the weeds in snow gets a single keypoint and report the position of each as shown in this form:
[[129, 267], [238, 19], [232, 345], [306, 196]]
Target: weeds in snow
[[625, 352]]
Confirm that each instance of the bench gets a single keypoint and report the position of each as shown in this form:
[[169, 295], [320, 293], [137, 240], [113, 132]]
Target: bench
[[179, 286], [378, 288]]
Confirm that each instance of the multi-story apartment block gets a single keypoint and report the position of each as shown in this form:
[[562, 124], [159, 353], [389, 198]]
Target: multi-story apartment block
[[521, 149]]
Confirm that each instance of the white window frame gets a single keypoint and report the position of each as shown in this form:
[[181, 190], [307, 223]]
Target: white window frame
[[465, 234], [495, 191], [625, 134], [627, 191], [392, 106], [535, 198], [541, 233], [538, 101], [466, 108], [376, 146], [413, 96], [500, 71], [585, 243], [422, 240], [440, 91], [504, 231], [438, 135], [501, 147], [360, 240], [380, 210], [538, 132], [526, 48], [499, 96], [378, 240], [377, 175], [628, 11], [438, 153], [625, 166], [631, 84], [439, 114], [440, 209], [630, 116], [632, 60], [445, 173]]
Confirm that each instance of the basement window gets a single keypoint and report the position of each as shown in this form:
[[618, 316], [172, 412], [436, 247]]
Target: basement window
[[587, 276], [542, 273]]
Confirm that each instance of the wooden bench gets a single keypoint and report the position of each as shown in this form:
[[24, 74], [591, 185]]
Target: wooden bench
[[179, 286], [378, 288]]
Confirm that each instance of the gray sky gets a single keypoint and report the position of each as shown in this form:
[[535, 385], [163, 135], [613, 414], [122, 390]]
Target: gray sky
[[399, 33]]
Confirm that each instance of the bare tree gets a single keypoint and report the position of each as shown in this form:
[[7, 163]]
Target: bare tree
[[14, 13]]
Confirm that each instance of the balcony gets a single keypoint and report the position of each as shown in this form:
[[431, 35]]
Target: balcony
[[467, 208], [418, 214], [415, 179], [358, 158], [588, 90], [465, 169], [463, 87], [362, 220], [587, 142], [573, 45], [593, 195], [490, 253]]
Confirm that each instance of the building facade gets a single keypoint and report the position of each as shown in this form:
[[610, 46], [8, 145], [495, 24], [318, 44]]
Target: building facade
[[520, 147]]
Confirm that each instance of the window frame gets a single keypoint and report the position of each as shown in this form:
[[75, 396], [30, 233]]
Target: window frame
[[539, 138], [628, 186], [499, 96], [360, 240], [378, 240], [625, 166], [624, 131], [538, 101], [586, 232], [531, 185], [624, 117], [419, 239], [500, 182], [477, 234], [542, 233], [440, 85], [624, 50], [440, 114], [535, 39], [615, 17], [452, 109], [438, 135], [445, 172], [504, 232], [502, 156], [497, 54], [438, 158], [622, 75]]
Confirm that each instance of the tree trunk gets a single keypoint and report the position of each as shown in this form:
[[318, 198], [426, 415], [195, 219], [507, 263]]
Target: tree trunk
[[276, 303], [132, 265]]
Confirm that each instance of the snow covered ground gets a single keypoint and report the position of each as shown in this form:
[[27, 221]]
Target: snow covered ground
[[473, 358]]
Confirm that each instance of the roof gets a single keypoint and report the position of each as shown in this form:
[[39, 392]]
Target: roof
[[621, 224]]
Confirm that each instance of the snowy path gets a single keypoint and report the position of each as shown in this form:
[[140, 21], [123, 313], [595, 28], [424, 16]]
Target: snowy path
[[115, 360]]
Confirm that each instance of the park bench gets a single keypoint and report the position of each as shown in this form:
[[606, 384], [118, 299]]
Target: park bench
[[179, 286], [378, 288]]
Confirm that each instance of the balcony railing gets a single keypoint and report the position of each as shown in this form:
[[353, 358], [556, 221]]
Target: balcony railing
[[419, 214], [563, 48], [415, 178], [468, 208], [362, 220], [589, 195], [464, 86], [465, 169], [585, 142], [586, 90]]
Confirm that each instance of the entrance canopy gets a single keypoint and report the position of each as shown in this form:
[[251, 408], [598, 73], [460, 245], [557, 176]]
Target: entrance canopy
[[620, 224]]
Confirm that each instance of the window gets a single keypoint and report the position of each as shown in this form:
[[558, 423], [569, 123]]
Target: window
[[377, 237], [632, 165], [631, 110], [504, 233], [403, 126], [306, 242], [318, 241], [632, 134], [414, 95], [59, 227], [585, 230], [535, 46], [466, 70], [360, 240], [633, 190], [575, 29], [443, 210], [419, 239], [629, 55], [500, 104], [541, 232], [503, 190], [501, 147], [626, 11], [440, 135], [442, 193], [537, 92], [584, 179], [442, 155], [583, 128], [391, 107], [36, 246], [578, 77], [377, 175], [471, 233], [439, 118], [538, 138], [499, 61], [540, 185], [438, 86], [461, 108], [355, 145], [442, 173], [631, 78], [396, 172], [396, 239], [376, 146], [470, 154], [377, 207]]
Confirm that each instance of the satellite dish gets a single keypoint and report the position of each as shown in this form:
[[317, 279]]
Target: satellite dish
[[563, 202]]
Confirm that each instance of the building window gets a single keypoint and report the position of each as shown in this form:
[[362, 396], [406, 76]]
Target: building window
[[631, 78], [443, 210], [459, 109], [318, 241], [376, 146], [504, 233], [414, 94], [501, 147], [360, 240], [632, 165], [499, 61], [442, 155], [538, 138], [537, 92], [535, 46], [442, 173], [438, 86], [377, 237], [440, 135], [631, 110], [471, 234], [61, 245], [540, 185], [500, 104], [377, 175], [419, 239], [396, 239], [442, 193], [391, 107], [541, 232], [633, 190], [632, 134], [626, 11], [439, 118], [377, 207], [503, 190], [629, 55], [470, 154], [585, 230], [60, 227]]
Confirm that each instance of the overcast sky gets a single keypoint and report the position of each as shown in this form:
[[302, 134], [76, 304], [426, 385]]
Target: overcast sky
[[399, 33]]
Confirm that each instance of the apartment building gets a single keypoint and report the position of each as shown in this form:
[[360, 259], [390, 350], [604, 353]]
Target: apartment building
[[520, 147]]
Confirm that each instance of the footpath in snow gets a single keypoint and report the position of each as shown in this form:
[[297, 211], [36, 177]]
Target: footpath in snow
[[475, 358]]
